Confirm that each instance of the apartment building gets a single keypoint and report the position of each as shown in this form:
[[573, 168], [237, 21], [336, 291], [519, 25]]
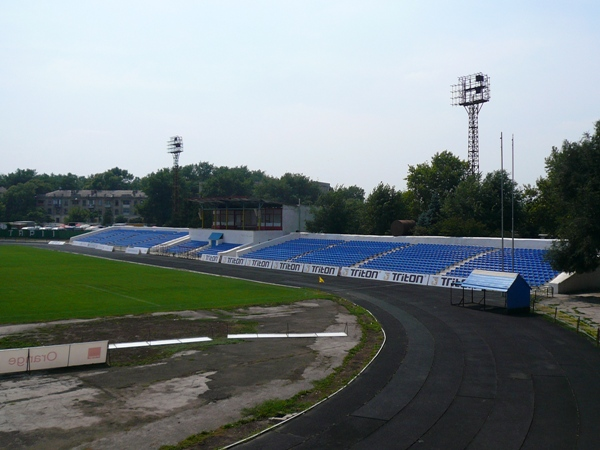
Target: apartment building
[[59, 203]]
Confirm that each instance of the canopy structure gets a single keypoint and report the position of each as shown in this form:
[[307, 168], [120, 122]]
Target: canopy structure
[[513, 286], [241, 213]]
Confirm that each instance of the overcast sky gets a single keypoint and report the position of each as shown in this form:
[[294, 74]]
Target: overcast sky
[[346, 92]]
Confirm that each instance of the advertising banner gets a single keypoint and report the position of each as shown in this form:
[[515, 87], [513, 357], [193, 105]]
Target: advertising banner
[[13, 360], [234, 261], [288, 266], [262, 263], [321, 270], [50, 357], [210, 258], [88, 353], [444, 281], [356, 272], [407, 278]]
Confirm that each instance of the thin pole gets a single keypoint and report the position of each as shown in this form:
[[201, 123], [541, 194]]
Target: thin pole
[[512, 204], [502, 198]]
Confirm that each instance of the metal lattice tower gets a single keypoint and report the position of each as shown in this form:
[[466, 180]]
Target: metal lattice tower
[[472, 91], [175, 147]]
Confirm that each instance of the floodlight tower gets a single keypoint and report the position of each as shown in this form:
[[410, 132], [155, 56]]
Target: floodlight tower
[[472, 91], [175, 147]]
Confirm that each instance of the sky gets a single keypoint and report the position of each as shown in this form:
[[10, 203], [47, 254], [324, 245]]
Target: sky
[[347, 92]]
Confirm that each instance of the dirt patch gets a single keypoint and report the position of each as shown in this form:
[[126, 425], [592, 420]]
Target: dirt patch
[[155, 396]]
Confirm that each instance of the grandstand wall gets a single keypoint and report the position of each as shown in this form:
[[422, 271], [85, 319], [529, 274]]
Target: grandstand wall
[[571, 283], [236, 236]]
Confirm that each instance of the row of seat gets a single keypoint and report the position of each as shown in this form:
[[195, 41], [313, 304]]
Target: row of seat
[[530, 263], [412, 258], [134, 237], [377, 255], [186, 246]]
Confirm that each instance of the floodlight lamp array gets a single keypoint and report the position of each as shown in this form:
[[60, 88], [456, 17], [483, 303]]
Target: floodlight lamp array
[[471, 90], [175, 144]]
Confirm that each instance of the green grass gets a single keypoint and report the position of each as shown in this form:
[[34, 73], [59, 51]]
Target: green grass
[[38, 285]]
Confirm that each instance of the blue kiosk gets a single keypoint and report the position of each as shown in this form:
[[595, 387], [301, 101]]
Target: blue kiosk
[[515, 290]]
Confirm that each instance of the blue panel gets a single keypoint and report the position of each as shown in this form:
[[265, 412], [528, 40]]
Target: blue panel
[[491, 281], [215, 236]]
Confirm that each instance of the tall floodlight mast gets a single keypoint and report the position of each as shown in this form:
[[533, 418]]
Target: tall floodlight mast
[[472, 91], [175, 147]]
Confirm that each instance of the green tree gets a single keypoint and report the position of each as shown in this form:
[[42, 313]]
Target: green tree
[[19, 201], [20, 176], [54, 182], [290, 189], [383, 205], [474, 207], [439, 178], [78, 214], [158, 207], [232, 182], [573, 174], [112, 180], [461, 213], [493, 202], [538, 210], [107, 217], [338, 211]]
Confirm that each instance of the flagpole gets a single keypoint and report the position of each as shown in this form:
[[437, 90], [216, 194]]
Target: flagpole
[[512, 204], [502, 199]]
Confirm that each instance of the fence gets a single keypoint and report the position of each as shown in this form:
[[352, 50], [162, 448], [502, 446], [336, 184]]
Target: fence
[[60, 234], [583, 326]]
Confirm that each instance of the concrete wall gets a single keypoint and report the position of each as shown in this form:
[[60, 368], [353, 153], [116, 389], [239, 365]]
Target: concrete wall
[[294, 218], [573, 283], [235, 236]]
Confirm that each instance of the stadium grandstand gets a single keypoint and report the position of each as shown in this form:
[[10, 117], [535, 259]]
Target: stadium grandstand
[[435, 261]]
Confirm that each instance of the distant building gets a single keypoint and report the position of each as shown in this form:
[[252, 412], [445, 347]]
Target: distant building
[[2, 190], [243, 213], [58, 204]]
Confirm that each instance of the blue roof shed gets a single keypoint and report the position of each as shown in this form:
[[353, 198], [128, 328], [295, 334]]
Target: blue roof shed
[[514, 286]]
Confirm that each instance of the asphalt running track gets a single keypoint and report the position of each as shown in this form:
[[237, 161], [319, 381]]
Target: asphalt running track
[[448, 377]]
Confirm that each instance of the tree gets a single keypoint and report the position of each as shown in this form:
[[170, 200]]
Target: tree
[[573, 174], [474, 207], [290, 189], [439, 178], [107, 218], [78, 214], [112, 180], [232, 182], [20, 176], [158, 207], [19, 201], [538, 210], [382, 207], [338, 211], [492, 186]]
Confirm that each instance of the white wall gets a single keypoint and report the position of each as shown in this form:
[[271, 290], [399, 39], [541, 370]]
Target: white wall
[[235, 236], [566, 283], [291, 221]]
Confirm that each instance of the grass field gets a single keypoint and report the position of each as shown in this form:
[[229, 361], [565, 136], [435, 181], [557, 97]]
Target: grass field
[[38, 285]]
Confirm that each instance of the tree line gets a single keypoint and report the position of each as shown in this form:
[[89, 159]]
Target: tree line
[[441, 196]]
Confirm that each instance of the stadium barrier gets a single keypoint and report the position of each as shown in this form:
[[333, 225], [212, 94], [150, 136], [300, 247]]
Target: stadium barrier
[[60, 234], [53, 357], [332, 271], [211, 258]]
